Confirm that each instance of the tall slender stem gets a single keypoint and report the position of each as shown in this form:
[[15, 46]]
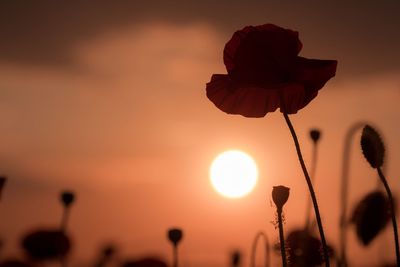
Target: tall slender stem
[[311, 189], [175, 256], [313, 168], [392, 213], [281, 237], [344, 191], [64, 219], [254, 248]]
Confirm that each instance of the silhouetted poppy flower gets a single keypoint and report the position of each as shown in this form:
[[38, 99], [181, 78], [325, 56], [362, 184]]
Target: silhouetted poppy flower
[[14, 263], [315, 135], [370, 216], [145, 262], [372, 147], [175, 235], [67, 198], [46, 244], [265, 72], [280, 195], [304, 250]]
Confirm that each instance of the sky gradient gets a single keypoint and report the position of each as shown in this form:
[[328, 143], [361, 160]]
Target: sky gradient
[[109, 101]]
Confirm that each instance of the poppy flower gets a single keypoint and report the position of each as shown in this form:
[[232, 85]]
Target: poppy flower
[[370, 216], [46, 244], [266, 73], [145, 262], [304, 249]]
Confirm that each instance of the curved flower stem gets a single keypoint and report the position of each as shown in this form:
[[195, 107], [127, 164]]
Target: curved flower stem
[[392, 213], [254, 247], [344, 191], [311, 189], [281, 237], [313, 168]]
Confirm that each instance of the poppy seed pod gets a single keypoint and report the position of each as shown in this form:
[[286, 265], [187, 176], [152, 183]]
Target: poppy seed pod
[[175, 235], [280, 195], [372, 147], [315, 135], [67, 198]]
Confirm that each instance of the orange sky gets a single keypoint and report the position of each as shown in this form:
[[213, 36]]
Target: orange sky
[[129, 128]]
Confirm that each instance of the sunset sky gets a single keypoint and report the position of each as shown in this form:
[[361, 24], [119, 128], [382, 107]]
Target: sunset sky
[[107, 98]]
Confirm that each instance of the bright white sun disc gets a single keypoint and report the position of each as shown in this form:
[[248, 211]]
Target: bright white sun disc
[[233, 174]]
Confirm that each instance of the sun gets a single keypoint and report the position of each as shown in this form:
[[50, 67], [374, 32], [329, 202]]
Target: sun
[[233, 174]]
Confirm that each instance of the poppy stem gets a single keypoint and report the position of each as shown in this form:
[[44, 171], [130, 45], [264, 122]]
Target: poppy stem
[[254, 248], [313, 168], [311, 189], [344, 189], [281, 237], [64, 219], [175, 256], [392, 213]]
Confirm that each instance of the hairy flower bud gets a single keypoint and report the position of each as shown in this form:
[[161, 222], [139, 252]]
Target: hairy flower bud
[[372, 147]]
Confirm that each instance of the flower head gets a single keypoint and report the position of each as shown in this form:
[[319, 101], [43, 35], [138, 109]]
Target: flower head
[[265, 72], [280, 195], [67, 198], [46, 244], [372, 147], [370, 216], [2, 183], [315, 135], [175, 235]]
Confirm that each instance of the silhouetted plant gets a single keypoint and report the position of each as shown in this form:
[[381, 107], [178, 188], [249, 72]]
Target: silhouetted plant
[[145, 262], [280, 195], [67, 198], [236, 258], [315, 136], [370, 216], [106, 253], [175, 235], [344, 188], [374, 151], [14, 263], [304, 249], [264, 73], [258, 236], [46, 244], [3, 180]]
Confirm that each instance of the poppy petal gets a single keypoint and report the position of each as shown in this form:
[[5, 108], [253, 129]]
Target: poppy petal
[[250, 101], [314, 73], [293, 95], [258, 45]]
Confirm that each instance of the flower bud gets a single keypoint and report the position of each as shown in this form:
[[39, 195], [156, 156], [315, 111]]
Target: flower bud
[[280, 195], [372, 147], [175, 235], [315, 135], [2, 183], [67, 198]]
